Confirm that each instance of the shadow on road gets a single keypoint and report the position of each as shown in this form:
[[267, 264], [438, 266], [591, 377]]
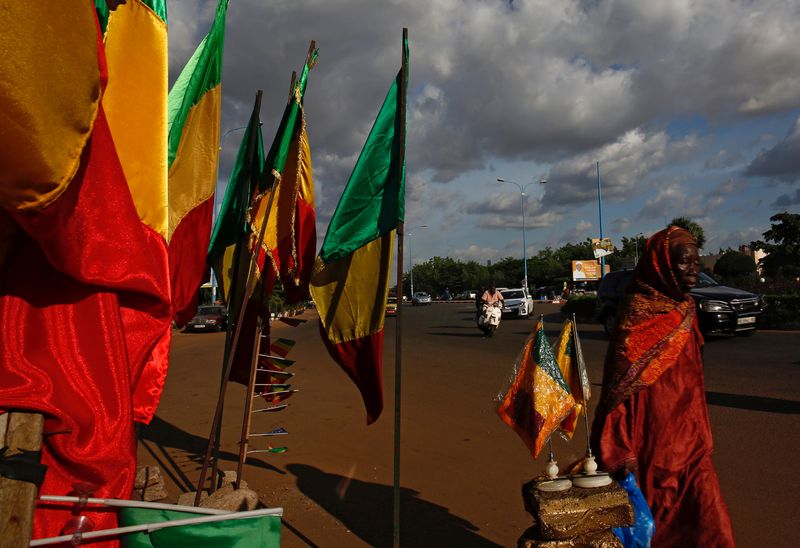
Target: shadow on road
[[366, 510], [754, 403], [165, 435]]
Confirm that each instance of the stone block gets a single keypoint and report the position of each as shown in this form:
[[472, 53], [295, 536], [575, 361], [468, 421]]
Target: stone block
[[595, 539]]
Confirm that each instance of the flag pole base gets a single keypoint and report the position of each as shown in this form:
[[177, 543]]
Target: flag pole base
[[553, 485], [552, 482], [590, 478]]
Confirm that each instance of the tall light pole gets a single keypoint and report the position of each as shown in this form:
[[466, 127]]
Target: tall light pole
[[600, 210], [411, 259], [524, 246]]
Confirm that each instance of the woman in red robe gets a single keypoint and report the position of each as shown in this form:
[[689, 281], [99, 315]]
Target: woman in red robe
[[652, 418]]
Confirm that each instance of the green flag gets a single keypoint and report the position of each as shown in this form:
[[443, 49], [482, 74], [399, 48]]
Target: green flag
[[230, 227], [262, 531], [373, 201], [276, 157]]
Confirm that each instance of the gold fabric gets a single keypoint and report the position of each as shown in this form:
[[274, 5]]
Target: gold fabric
[[135, 103], [296, 183], [577, 511], [351, 293], [193, 173], [49, 95]]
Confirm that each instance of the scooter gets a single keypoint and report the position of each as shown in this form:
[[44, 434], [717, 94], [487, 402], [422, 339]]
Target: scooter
[[489, 319]]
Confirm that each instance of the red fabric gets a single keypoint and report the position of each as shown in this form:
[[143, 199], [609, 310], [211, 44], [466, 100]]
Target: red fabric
[[295, 282], [362, 360], [653, 415], [84, 304], [187, 272]]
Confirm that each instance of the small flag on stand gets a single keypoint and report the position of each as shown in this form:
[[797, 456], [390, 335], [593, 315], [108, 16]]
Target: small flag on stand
[[538, 398], [570, 361]]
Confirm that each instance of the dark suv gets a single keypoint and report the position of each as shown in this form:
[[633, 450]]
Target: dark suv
[[720, 309]]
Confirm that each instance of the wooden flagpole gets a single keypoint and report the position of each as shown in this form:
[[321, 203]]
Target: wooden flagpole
[[239, 252], [398, 361]]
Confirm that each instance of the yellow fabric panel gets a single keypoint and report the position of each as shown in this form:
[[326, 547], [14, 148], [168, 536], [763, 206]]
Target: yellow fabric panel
[[351, 294], [49, 94], [135, 102], [297, 181], [193, 173]]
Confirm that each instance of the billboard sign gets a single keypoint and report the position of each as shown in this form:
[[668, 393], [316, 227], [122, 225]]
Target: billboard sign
[[585, 270], [602, 247]]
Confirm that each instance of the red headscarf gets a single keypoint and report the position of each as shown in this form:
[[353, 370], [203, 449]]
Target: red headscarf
[[656, 322]]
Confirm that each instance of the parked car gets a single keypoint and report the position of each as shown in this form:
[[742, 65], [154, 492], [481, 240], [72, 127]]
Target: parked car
[[391, 306], [420, 298], [209, 318], [469, 294], [720, 309], [517, 302]]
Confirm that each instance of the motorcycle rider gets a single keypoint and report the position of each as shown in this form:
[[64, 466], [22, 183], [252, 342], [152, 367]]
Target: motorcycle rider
[[489, 298]]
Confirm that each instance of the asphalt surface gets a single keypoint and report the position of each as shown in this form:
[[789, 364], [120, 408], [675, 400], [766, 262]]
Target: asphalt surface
[[461, 467]]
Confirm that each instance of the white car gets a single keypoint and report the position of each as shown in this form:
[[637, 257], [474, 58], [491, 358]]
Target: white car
[[517, 302], [420, 298]]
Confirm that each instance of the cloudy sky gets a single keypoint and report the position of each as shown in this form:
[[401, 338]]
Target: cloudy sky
[[691, 108]]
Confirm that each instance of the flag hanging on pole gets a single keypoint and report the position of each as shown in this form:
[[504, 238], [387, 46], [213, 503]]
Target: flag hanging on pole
[[194, 105], [350, 283], [231, 228], [570, 361], [290, 237], [538, 398], [85, 280]]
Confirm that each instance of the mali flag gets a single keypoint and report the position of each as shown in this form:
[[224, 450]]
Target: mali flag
[[84, 286], [538, 398], [231, 231], [570, 361], [350, 283], [290, 237], [135, 102], [194, 105]]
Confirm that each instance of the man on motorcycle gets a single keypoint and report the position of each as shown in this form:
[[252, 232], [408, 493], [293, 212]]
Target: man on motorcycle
[[492, 299]]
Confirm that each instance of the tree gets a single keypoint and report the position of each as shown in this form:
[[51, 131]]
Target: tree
[[783, 255], [733, 264], [695, 229]]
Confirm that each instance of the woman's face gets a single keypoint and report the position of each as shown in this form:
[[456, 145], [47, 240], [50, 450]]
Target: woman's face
[[685, 265]]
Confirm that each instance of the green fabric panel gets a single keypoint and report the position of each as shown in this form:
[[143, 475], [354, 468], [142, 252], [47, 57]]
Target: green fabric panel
[[101, 8], [202, 73], [159, 7], [276, 157], [545, 359], [373, 201], [262, 531], [231, 223]]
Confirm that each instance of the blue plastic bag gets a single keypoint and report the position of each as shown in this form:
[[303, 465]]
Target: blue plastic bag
[[640, 534]]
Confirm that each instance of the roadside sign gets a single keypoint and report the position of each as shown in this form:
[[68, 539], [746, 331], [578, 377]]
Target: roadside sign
[[585, 270], [601, 248]]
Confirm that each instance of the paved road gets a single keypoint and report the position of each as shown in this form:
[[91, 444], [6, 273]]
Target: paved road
[[462, 468]]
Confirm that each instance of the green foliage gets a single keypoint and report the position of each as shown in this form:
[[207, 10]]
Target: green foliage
[[783, 254], [695, 229], [733, 265], [583, 306], [782, 312]]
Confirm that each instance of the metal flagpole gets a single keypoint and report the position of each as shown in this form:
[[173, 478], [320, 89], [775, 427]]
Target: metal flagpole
[[399, 324]]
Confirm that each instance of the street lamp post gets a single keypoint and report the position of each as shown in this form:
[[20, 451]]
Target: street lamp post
[[524, 246], [600, 211], [411, 259]]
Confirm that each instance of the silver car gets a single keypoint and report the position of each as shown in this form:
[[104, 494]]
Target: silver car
[[517, 302], [420, 298]]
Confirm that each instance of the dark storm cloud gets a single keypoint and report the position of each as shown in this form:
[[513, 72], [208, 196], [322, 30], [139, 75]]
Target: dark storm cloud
[[781, 161], [786, 201], [565, 83]]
